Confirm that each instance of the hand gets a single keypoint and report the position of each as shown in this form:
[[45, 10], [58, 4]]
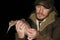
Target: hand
[[32, 33], [21, 25]]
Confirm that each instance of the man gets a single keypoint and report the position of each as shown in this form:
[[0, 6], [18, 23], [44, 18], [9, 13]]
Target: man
[[47, 29]]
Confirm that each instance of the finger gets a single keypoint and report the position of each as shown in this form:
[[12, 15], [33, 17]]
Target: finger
[[29, 38], [19, 23], [29, 34], [22, 28], [31, 30], [33, 33]]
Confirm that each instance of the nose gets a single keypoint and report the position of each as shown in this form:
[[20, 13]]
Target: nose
[[41, 10]]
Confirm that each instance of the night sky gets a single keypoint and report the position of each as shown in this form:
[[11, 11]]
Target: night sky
[[21, 9]]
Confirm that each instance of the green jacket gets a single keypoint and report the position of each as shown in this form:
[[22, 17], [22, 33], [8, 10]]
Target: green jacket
[[47, 28]]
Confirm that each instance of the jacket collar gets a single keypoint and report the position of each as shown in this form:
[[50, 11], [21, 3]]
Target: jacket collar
[[49, 20]]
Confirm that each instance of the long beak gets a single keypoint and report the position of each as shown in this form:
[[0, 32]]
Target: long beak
[[12, 23]]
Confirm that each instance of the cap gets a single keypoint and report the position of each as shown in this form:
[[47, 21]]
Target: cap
[[46, 3]]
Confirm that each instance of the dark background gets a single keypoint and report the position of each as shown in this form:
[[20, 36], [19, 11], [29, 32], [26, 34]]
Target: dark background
[[14, 10], [23, 8]]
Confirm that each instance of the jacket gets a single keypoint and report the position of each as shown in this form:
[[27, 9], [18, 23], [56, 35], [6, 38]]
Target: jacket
[[49, 30]]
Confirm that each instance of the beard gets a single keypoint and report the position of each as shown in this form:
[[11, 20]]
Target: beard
[[39, 19], [45, 16], [42, 18]]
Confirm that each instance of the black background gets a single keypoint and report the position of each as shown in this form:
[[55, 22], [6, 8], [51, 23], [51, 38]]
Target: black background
[[23, 8]]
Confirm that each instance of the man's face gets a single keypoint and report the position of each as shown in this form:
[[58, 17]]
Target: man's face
[[41, 12]]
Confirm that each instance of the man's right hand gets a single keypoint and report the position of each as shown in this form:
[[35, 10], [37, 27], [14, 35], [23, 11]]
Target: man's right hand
[[21, 26]]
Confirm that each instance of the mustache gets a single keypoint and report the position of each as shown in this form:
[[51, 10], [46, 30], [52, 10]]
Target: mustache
[[40, 14]]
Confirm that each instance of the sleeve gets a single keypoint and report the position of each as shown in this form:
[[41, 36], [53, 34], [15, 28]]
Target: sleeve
[[56, 33], [43, 37]]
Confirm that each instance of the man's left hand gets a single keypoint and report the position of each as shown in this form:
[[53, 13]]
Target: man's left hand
[[32, 33]]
